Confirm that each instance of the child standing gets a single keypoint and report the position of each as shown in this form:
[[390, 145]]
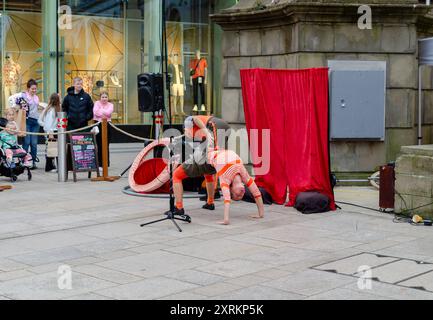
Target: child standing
[[103, 109]]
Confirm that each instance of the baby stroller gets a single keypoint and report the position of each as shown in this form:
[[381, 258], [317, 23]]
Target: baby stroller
[[17, 167]]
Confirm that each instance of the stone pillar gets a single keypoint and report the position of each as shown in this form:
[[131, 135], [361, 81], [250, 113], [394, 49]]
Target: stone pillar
[[414, 184]]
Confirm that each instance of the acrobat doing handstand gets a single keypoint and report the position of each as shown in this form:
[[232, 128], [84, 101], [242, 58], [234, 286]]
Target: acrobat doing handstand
[[226, 164]]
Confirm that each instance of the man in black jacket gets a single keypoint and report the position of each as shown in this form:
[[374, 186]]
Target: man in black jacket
[[78, 106]]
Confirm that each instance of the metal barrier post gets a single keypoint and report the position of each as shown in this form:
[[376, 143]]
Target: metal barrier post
[[105, 177], [62, 124]]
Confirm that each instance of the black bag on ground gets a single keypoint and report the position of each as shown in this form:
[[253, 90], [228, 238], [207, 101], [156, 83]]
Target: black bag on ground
[[267, 198], [312, 202]]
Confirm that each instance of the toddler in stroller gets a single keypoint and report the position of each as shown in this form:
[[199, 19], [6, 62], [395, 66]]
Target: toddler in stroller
[[14, 161]]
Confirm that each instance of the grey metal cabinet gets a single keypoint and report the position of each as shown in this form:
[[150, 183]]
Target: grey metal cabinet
[[357, 100]]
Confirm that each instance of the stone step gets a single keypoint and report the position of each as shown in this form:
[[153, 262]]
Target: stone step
[[414, 164]]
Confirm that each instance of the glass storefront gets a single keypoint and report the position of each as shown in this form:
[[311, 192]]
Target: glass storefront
[[108, 43]]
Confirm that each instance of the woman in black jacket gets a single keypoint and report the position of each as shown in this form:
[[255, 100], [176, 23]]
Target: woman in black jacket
[[78, 106]]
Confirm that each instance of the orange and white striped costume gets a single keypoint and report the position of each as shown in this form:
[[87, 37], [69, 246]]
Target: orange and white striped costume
[[228, 165]]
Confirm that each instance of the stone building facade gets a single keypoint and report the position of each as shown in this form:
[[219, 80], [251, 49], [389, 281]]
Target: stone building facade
[[306, 34]]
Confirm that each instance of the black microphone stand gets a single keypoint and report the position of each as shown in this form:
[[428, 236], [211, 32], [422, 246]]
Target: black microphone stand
[[171, 214]]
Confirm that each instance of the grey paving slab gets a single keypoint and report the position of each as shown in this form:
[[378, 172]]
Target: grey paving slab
[[234, 268], [46, 268], [14, 227], [65, 220], [45, 287], [294, 234], [88, 296], [10, 265], [196, 277], [112, 255], [376, 246], [39, 258], [424, 282], [323, 258], [365, 236], [259, 293], [346, 294], [11, 275], [147, 289], [217, 250], [247, 238], [309, 282], [351, 265], [282, 256], [147, 238], [394, 292], [153, 264], [419, 249], [82, 261], [216, 289], [400, 270], [325, 244], [107, 245], [113, 230], [106, 274], [185, 296], [10, 248], [340, 223], [273, 273], [149, 248], [53, 240]]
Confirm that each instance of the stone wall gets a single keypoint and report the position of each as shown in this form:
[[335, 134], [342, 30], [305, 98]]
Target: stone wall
[[308, 35], [414, 181]]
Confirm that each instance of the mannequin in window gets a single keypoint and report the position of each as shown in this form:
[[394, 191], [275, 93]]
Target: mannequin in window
[[11, 77], [198, 70], [178, 85]]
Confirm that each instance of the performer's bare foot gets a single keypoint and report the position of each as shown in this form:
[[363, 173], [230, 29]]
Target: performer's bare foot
[[224, 223], [257, 216]]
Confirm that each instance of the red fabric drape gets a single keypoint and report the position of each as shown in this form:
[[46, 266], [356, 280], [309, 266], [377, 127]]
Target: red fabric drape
[[293, 104]]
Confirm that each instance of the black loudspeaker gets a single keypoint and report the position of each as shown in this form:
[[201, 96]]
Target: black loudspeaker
[[150, 92]]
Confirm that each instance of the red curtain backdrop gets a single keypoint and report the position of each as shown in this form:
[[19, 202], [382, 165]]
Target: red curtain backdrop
[[293, 104]]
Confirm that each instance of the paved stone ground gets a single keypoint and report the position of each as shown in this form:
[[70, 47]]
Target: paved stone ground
[[94, 229]]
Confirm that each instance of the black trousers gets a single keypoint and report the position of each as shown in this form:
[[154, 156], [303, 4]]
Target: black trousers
[[196, 87], [50, 163]]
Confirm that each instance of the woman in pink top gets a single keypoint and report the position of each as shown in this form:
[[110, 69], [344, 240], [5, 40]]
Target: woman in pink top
[[103, 109]]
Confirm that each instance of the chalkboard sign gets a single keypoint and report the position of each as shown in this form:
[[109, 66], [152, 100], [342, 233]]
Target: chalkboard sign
[[84, 153]]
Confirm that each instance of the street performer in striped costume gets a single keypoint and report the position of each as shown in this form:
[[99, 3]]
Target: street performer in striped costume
[[231, 173]]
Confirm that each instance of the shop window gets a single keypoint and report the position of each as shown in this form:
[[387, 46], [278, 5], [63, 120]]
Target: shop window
[[22, 49], [103, 8]]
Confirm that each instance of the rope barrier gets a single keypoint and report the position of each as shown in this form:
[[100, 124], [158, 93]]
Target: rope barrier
[[129, 134], [52, 133], [137, 137], [85, 128]]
